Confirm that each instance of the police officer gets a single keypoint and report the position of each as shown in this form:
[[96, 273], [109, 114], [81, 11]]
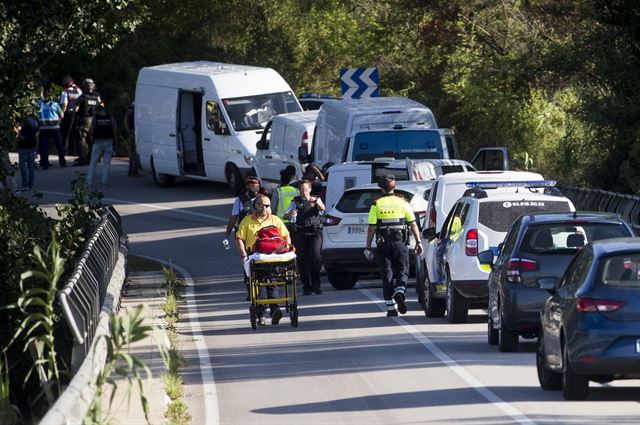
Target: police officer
[[389, 218], [85, 108], [282, 197], [304, 211], [68, 99]]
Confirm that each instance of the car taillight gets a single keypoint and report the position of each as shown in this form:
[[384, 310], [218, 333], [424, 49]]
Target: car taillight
[[432, 218], [471, 243], [305, 141], [592, 305], [331, 220], [419, 215], [515, 266]]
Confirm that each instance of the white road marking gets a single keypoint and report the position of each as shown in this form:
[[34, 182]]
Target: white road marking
[[210, 394], [505, 407]]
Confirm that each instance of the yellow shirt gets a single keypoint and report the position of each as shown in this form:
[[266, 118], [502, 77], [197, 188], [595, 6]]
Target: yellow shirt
[[252, 223], [390, 210]]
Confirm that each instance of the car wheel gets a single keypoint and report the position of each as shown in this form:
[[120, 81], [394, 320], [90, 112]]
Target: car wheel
[[234, 178], [492, 333], [574, 386], [433, 307], [161, 180], [341, 280], [549, 380], [507, 339], [457, 305]]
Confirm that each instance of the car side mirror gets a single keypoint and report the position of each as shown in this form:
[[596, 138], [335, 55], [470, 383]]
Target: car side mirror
[[429, 233], [547, 283], [485, 257], [303, 154]]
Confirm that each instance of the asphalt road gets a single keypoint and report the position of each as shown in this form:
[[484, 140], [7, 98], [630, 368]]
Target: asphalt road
[[346, 362]]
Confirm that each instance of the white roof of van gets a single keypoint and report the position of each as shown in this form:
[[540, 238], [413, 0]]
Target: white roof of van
[[398, 163], [304, 117], [373, 103], [205, 67]]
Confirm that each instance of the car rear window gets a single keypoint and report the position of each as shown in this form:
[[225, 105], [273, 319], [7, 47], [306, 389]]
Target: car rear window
[[621, 270], [554, 237], [359, 201], [498, 216]]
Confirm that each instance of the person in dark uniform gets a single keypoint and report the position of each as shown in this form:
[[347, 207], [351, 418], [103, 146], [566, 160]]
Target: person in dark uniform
[[85, 108], [304, 213], [389, 219]]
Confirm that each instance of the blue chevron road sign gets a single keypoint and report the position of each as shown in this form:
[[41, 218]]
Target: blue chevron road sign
[[357, 83]]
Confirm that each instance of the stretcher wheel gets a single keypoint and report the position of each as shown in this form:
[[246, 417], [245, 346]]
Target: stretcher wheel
[[294, 317], [253, 318]]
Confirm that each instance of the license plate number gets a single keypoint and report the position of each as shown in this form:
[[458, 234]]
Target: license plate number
[[357, 230], [638, 346]]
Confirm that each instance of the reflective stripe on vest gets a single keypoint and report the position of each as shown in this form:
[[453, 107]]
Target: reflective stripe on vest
[[285, 196]]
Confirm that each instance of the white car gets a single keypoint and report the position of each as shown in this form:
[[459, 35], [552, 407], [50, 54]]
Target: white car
[[345, 230], [479, 221]]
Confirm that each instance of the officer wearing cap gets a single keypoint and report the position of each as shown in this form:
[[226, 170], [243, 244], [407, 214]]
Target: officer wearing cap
[[389, 217]]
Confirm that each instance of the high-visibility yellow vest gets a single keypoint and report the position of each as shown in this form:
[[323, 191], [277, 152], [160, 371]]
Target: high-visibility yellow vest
[[285, 196]]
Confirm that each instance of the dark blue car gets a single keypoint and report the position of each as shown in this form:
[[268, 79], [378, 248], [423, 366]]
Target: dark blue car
[[591, 323]]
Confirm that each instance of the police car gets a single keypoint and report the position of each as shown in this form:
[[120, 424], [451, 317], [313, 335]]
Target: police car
[[345, 230], [479, 221]]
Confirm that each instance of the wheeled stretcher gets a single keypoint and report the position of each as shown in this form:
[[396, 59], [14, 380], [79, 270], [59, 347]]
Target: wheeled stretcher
[[272, 280]]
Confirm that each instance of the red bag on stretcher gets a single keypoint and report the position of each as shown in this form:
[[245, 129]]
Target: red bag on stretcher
[[269, 241]]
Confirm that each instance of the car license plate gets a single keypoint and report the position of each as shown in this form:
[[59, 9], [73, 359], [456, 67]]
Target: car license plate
[[357, 230], [638, 346]]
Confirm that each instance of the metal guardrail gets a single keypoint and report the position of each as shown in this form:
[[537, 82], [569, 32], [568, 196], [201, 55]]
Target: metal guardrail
[[626, 206], [88, 299], [82, 297]]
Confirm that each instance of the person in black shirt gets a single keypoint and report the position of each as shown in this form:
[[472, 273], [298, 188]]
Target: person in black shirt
[[27, 131], [304, 213], [103, 133], [85, 108]]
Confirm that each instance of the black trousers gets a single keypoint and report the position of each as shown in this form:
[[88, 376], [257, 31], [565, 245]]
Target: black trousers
[[85, 142], [69, 132], [308, 252], [393, 259]]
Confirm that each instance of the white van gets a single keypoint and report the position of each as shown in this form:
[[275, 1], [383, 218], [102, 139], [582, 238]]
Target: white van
[[202, 119], [279, 144], [350, 174], [365, 129]]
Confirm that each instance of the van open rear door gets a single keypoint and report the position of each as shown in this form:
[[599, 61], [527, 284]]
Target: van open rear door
[[491, 159]]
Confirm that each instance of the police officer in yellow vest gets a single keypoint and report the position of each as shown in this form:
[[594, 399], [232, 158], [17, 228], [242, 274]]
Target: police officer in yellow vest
[[390, 217], [282, 197]]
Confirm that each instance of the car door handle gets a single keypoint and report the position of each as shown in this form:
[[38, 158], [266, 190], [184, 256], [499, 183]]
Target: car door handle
[[172, 135], [207, 139], [268, 156]]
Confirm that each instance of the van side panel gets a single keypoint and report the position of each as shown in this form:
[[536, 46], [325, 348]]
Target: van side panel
[[155, 123]]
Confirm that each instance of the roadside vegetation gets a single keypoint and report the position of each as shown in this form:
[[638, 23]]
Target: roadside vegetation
[[39, 254]]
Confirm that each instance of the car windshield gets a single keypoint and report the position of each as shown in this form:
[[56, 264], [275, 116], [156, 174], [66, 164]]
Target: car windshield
[[621, 270], [554, 237], [415, 144], [498, 216], [254, 112], [359, 201]]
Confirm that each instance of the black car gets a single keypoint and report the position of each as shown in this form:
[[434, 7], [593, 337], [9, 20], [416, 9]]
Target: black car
[[591, 323], [536, 246]]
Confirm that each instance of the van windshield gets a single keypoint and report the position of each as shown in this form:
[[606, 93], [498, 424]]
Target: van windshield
[[415, 144], [254, 112]]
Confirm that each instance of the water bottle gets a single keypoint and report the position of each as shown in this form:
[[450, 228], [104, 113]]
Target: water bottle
[[293, 218], [226, 245]]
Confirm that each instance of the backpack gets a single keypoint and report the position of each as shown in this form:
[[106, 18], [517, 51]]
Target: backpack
[[269, 241]]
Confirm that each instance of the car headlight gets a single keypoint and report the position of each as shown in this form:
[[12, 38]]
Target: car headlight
[[248, 159]]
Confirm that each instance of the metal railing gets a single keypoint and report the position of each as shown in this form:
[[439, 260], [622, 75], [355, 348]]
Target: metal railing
[[84, 294], [627, 206]]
